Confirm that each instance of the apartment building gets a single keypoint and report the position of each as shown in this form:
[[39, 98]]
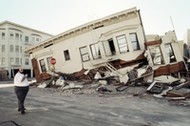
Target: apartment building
[[14, 39]]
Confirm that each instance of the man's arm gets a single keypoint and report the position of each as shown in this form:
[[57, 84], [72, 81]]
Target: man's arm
[[24, 77]]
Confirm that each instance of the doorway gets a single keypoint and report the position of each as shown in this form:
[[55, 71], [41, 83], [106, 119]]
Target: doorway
[[112, 47]]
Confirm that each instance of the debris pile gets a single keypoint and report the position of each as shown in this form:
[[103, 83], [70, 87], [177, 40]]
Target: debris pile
[[139, 80]]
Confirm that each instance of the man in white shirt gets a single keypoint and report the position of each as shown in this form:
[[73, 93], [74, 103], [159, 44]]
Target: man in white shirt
[[21, 89]]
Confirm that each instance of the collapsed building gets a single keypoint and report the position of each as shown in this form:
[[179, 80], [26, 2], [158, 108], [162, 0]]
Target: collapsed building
[[115, 41], [164, 54]]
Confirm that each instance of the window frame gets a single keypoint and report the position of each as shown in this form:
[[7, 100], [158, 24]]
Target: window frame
[[26, 39], [48, 60], [17, 61], [17, 36], [84, 54], [170, 52], [95, 51], [11, 48], [136, 41], [11, 35], [42, 66], [3, 61], [120, 45], [161, 55], [3, 48], [66, 55], [2, 35], [17, 49], [27, 62]]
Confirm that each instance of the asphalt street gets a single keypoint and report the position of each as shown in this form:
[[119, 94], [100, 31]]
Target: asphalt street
[[51, 107]]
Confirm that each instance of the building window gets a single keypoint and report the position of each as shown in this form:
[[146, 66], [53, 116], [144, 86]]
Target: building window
[[109, 47], [20, 61], [3, 61], [26, 61], [26, 54], [20, 49], [20, 37], [2, 35], [11, 48], [12, 60], [37, 39], [42, 65], [156, 54], [49, 61], [11, 36], [134, 41], [17, 36], [26, 39], [17, 48], [95, 51], [66, 54], [33, 39], [170, 53], [84, 54], [17, 61], [3, 48], [122, 42]]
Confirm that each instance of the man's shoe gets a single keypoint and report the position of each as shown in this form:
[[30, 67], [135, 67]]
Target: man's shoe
[[20, 109], [22, 112]]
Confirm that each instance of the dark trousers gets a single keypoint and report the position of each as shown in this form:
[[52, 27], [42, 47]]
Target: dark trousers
[[21, 93]]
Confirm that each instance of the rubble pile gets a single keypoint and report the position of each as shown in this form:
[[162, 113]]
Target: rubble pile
[[140, 81]]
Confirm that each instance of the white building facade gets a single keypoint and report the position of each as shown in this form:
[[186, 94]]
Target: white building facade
[[14, 39], [119, 36]]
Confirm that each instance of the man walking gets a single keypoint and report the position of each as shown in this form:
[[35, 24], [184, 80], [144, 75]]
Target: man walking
[[21, 89]]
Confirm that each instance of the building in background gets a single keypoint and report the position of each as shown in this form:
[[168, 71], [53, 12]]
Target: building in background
[[14, 39], [187, 37]]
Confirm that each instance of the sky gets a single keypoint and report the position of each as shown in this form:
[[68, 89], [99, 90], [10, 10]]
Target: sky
[[57, 16]]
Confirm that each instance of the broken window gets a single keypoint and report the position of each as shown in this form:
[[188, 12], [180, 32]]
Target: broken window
[[170, 53], [156, 54], [95, 51], [66, 54], [109, 47], [84, 54], [42, 65], [49, 61], [134, 41], [122, 42]]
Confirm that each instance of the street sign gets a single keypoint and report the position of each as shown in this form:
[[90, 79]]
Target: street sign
[[53, 61]]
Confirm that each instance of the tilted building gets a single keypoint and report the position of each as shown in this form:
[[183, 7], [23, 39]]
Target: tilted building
[[117, 38]]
